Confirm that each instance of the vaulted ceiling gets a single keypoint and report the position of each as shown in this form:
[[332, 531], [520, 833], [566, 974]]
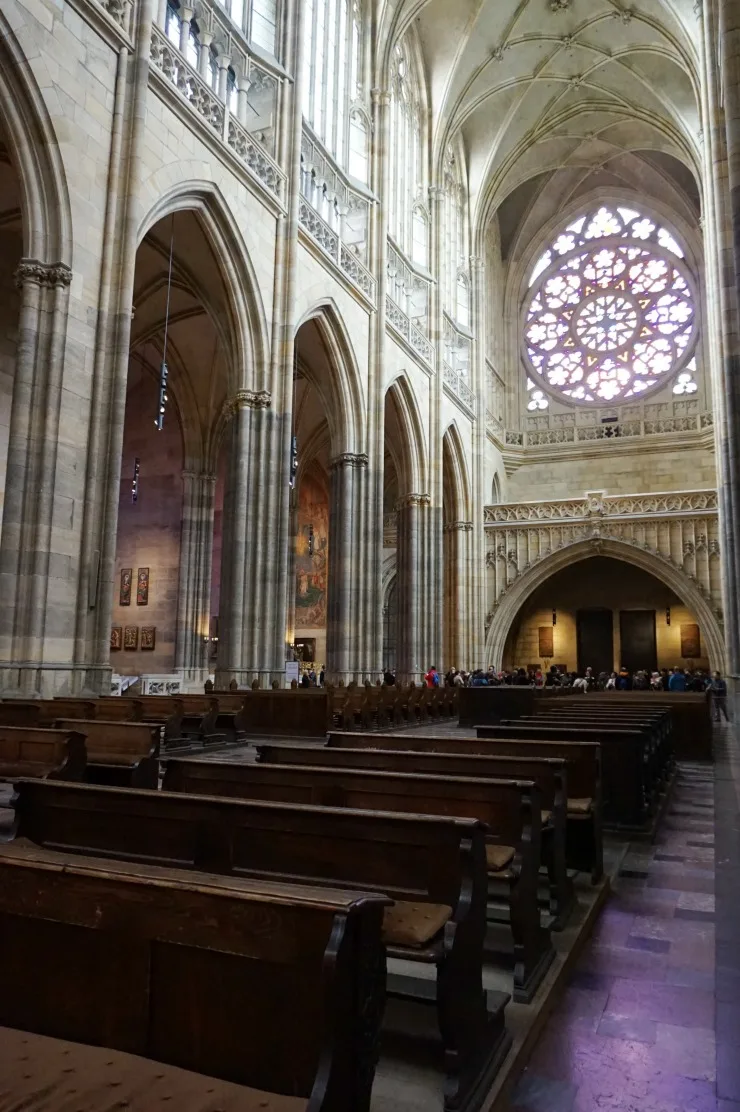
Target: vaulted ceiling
[[540, 86]]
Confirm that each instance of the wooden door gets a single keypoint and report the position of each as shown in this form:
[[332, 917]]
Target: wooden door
[[637, 634], [595, 633]]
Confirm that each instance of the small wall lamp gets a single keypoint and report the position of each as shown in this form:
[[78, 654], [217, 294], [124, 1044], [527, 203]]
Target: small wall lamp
[[667, 615]]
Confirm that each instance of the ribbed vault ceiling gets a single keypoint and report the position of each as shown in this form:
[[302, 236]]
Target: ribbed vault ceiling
[[539, 86]]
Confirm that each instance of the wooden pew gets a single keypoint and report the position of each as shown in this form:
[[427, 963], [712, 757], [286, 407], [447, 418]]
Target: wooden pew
[[43, 753], [584, 846], [511, 809], [275, 987], [625, 760], [550, 776], [432, 867], [690, 713], [122, 754]]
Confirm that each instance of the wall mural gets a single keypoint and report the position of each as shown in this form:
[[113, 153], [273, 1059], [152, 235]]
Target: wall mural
[[311, 570]]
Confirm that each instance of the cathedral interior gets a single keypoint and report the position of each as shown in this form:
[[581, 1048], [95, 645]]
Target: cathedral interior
[[351, 339]]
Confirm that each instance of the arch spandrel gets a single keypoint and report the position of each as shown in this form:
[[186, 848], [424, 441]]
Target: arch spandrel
[[519, 592]]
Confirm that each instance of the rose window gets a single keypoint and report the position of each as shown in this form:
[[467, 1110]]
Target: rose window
[[610, 310]]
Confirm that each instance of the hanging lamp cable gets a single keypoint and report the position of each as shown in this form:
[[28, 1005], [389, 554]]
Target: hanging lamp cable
[[163, 372]]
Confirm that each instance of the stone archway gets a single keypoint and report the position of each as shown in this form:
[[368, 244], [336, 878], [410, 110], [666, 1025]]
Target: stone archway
[[522, 588]]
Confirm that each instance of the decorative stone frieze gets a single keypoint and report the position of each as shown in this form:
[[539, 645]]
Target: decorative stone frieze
[[47, 275], [413, 500], [459, 527]]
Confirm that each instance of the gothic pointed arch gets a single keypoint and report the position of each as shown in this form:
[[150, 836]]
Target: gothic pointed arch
[[411, 449], [45, 205], [679, 582], [247, 324], [456, 478], [340, 385]]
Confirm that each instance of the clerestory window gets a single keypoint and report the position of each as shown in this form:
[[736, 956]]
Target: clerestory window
[[332, 81]]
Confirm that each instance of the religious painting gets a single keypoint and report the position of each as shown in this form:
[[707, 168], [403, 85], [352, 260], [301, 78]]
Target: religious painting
[[124, 595], [131, 637], [142, 587], [148, 637], [116, 638], [305, 650], [311, 555], [544, 634], [690, 642]]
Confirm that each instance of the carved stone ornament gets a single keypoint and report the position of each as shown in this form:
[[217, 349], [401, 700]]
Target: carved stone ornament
[[48, 275], [559, 5], [459, 527]]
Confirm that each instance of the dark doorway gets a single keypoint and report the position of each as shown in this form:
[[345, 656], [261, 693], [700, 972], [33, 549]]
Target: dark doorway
[[595, 630], [637, 633]]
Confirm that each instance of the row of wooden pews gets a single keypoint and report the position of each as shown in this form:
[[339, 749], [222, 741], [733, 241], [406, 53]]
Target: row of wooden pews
[[636, 743]]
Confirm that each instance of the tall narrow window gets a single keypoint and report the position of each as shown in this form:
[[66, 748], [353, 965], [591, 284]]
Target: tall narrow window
[[455, 279], [330, 79], [420, 237], [264, 24], [408, 179], [357, 164]]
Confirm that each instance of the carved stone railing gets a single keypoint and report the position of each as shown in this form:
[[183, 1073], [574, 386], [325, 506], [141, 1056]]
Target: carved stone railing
[[458, 385], [408, 286], [172, 65], [335, 212], [120, 11], [619, 430], [414, 337], [681, 529]]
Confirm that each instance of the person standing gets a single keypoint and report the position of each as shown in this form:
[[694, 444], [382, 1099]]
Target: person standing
[[677, 682], [432, 677], [718, 688]]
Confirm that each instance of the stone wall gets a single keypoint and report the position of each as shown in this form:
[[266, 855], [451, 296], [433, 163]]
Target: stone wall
[[149, 530]]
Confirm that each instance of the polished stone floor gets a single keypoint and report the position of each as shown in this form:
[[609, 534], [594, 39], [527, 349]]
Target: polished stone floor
[[650, 1021]]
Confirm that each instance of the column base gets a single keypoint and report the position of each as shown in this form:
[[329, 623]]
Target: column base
[[44, 681]]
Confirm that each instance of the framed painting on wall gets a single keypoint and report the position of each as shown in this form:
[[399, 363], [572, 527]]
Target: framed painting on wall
[[690, 642], [142, 587], [544, 636], [131, 637], [116, 638], [148, 637], [124, 595]]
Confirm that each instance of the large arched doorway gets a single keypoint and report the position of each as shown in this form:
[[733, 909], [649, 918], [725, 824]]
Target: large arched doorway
[[609, 601], [163, 604], [329, 476]]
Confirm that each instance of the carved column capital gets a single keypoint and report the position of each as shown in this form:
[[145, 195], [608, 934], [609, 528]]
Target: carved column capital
[[250, 399], [459, 527], [47, 275], [409, 500], [349, 459], [381, 97]]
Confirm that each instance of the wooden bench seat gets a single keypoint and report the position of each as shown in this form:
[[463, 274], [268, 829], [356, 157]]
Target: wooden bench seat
[[124, 754], [432, 867], [584, 844], [512, 811], [271, 986], [549, 776], [44, 753]]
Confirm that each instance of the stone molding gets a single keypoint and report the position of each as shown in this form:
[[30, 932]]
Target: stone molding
[[459, 527], [349, 459], [45, 275]]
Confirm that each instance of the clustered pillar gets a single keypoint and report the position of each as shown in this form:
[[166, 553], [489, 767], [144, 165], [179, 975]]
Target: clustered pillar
[[194, 602]]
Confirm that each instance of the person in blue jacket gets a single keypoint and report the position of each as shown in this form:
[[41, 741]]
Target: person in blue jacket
[[677, 682]]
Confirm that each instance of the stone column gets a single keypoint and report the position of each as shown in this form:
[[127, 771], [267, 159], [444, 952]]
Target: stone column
[[459, 632], [194, 594], [476, 561], [345, 658], [251, 641], [36, 612], [411, 560], [186, 16]]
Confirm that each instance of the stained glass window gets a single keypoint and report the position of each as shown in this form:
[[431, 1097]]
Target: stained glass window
[[610, 311]]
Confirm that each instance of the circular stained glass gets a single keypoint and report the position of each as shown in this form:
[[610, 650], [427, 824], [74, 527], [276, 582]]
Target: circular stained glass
[[610, 309]]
